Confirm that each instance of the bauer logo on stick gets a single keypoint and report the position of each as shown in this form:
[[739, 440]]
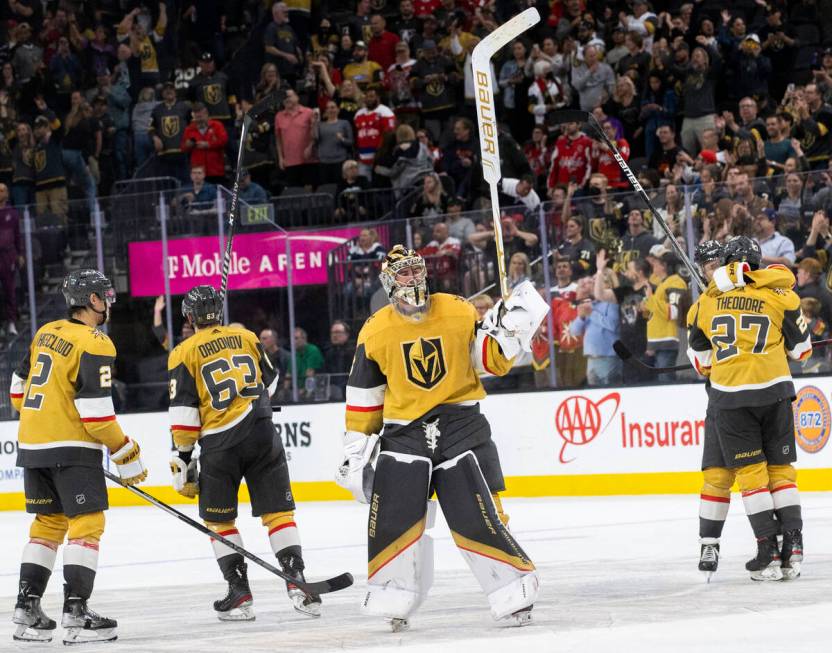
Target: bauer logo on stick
[[812, 419]]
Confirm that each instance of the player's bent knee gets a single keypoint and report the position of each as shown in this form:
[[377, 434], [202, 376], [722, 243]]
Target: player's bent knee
[[752, 477], [51, 528], [717, 481], [780, 475], [275, 519], [88, 527], [398, 589]]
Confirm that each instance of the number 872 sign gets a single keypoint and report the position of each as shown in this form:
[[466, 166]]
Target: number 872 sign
[[812, 419]]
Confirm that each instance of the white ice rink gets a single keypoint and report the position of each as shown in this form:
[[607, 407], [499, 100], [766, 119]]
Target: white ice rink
[[618, 574]]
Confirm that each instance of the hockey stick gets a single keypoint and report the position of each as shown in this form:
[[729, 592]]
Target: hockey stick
[[318, 587], [587, 117], [268, 102], [625, 354], [487, 120]]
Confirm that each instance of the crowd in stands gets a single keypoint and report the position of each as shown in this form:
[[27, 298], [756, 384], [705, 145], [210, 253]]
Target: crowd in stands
[[721, 108]]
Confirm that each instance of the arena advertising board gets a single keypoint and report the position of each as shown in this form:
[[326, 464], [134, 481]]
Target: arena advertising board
[[645, 440], [259, 260]]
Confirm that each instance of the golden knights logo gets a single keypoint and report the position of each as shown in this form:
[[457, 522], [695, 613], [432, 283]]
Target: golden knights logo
[[40, 160], [212, 93], [170, 126], [424, 362]]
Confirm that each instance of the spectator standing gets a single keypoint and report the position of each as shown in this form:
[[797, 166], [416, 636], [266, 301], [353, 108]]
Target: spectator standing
[[11, 259], [603, 160], [83, 139], [142, 44], [598, 323], [432, 201], [433, 79], [461, 158], [210, 87], [777, 145], [308, 362], [571, 158], [576, 248], [382, 44], [545, 94], [665, 308], [699, 80], [335, 142], [282, 46], [28, 56], [362, 70], [140, 122], [359, 23], [633, 328], [294, 130], [775, 247], [665, 155], [780, 44], [658, 107], [338, 357], [564, 285], [167, 128], [814, 122], [407, 25], [50, 177], [23, 171], [809, 284], [593, 79], [514, 88], [637, 240], [442, 259], [118, 109], [371, 123], [411, 160], [66, 74], [397, 81], [205, 140], [570, 363]]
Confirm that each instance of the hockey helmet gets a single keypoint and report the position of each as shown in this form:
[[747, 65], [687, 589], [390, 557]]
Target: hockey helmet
[[202, 306], [80, 284], [707, 252], [743, 249], [407, 292]]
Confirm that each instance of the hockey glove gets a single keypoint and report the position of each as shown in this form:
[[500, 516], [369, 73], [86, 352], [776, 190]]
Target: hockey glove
[[185, 472], [356, 472], [128, 459], [731, 276]]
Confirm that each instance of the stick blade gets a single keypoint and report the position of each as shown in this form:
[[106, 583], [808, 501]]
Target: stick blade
[[621, 350], [334, 584]]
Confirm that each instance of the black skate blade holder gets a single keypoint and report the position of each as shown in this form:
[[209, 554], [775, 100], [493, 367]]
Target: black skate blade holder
[[334, 584]]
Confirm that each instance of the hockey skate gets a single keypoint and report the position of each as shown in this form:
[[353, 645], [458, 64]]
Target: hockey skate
[[791, 554], [767, 564], [237, 604], [83, 625], [517, 619], [709, 556], [309, 605], [32, 624]]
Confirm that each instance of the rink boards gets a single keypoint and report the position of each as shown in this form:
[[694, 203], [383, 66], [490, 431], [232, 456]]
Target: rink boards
[[643, 440]]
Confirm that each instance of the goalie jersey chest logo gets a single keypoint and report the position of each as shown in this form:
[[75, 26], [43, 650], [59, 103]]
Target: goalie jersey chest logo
[[424, 362]]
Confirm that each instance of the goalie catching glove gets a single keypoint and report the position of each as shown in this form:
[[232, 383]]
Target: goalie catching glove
[[356, 472], [128, 460], [514, 323], [185, 473]]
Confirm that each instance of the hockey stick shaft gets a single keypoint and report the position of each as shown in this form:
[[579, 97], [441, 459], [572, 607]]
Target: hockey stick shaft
[[585, 116], [487, 120], [248, 119], [320, 587]]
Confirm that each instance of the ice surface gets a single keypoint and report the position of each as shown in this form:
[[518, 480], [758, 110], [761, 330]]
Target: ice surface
[[617, 573]]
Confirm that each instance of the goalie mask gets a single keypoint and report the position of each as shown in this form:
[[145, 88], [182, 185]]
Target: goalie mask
[[405, 280]]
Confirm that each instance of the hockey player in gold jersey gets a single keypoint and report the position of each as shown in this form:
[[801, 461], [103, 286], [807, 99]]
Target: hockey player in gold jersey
[[744, 327], [221, 382], [62, 389], [415, 380]]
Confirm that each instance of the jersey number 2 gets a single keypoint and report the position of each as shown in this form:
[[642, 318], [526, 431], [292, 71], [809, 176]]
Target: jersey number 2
[[724, 328], [43, 365], [223, 388]]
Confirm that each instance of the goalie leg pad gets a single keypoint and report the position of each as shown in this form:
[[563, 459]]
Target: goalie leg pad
[[400, 567], [502, 568]]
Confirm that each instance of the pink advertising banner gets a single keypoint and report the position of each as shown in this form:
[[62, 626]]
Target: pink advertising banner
[[258, 261]]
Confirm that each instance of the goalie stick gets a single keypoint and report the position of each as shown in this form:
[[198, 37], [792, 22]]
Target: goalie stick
[[625, 354], [268, 102], [487, 119], [334, 584], [586, 117]]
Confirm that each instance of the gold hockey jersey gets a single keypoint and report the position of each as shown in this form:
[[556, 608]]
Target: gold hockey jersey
[[402, 369], [664, 305], [62, 389], [741, 338], [217, 377]]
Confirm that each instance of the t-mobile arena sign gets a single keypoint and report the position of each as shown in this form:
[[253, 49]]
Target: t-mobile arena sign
[[259, 260]]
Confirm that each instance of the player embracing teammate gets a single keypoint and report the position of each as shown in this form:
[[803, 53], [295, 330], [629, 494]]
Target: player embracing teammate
[[741, 331]]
